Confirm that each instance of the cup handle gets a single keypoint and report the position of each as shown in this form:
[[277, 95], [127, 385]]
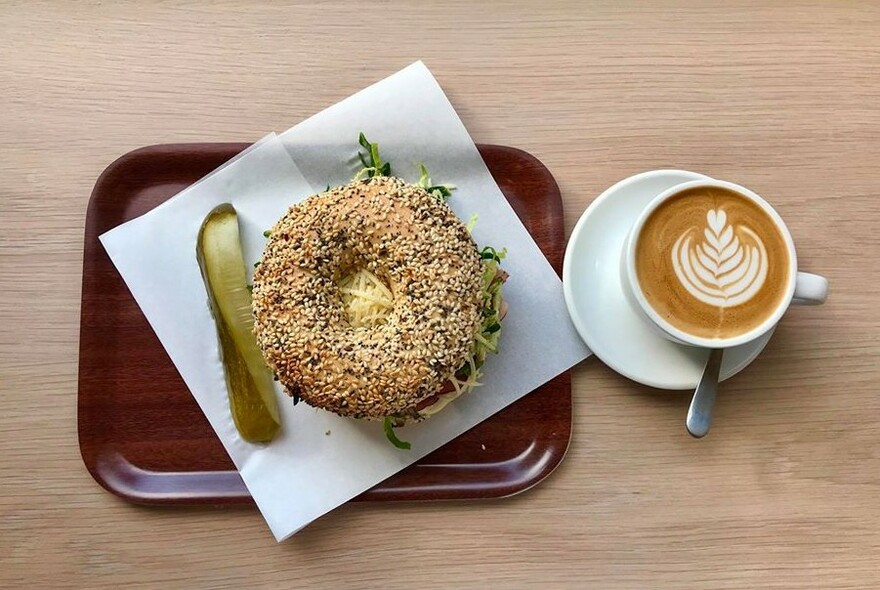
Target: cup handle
[[810, 289]]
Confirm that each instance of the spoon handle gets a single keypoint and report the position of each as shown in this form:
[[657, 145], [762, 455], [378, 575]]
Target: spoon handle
[[699, 417]]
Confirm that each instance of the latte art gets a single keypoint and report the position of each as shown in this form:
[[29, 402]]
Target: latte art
[[723, 270], [712, 262]]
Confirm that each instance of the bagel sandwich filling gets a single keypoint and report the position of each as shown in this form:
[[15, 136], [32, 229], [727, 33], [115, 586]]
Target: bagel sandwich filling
[[373, 301]]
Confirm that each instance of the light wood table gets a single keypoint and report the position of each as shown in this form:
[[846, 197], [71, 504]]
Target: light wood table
[[781, 97]]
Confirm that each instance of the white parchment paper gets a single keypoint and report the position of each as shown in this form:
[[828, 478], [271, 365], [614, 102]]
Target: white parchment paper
[[306, 472]]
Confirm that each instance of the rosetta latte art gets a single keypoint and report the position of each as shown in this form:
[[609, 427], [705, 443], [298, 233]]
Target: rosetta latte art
[[727, 268]]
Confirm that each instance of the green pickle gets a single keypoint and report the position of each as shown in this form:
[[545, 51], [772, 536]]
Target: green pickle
[[248, 379]]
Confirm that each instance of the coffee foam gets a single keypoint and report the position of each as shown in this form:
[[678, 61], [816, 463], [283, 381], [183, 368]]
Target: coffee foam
[[723, 270], [712, 262]]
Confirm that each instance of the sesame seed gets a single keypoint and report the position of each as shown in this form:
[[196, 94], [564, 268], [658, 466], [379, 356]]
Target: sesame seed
[[430, 263]]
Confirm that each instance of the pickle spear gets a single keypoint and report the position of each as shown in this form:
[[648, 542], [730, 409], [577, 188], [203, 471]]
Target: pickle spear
[[248, 379]]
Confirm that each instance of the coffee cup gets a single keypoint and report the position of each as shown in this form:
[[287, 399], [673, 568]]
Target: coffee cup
[[710, 263]]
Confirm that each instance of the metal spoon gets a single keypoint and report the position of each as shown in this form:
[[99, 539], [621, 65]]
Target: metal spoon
[[699, 417]]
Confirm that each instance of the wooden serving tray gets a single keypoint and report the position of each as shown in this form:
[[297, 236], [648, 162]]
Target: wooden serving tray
[[143, 437]]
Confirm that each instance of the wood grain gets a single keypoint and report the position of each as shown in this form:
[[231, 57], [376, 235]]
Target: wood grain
[[780, 97]]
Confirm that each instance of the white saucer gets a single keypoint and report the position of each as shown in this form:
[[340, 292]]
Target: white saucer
[[601, 311]]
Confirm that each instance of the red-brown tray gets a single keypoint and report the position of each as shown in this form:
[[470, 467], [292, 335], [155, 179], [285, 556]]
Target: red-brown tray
[[143, 437]]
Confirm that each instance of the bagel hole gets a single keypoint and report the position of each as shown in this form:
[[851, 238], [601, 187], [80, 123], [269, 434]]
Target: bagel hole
[[366, 297]]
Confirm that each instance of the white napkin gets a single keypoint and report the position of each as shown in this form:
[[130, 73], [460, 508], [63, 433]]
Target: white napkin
[[305, 472]]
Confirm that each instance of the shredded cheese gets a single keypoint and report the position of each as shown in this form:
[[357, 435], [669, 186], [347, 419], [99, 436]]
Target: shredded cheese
[[367, 300], [460, 387]]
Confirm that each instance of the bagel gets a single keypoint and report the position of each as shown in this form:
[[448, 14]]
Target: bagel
[[427, 262]]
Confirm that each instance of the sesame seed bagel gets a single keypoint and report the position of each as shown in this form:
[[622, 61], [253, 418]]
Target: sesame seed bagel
[[413, 242]]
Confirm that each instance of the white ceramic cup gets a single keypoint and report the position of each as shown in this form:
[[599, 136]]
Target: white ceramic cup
[[801, 287]]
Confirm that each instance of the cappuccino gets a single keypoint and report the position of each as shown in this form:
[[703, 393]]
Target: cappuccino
[[712, 263]]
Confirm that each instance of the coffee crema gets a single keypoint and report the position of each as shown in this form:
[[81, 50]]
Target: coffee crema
[[712, 262]]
